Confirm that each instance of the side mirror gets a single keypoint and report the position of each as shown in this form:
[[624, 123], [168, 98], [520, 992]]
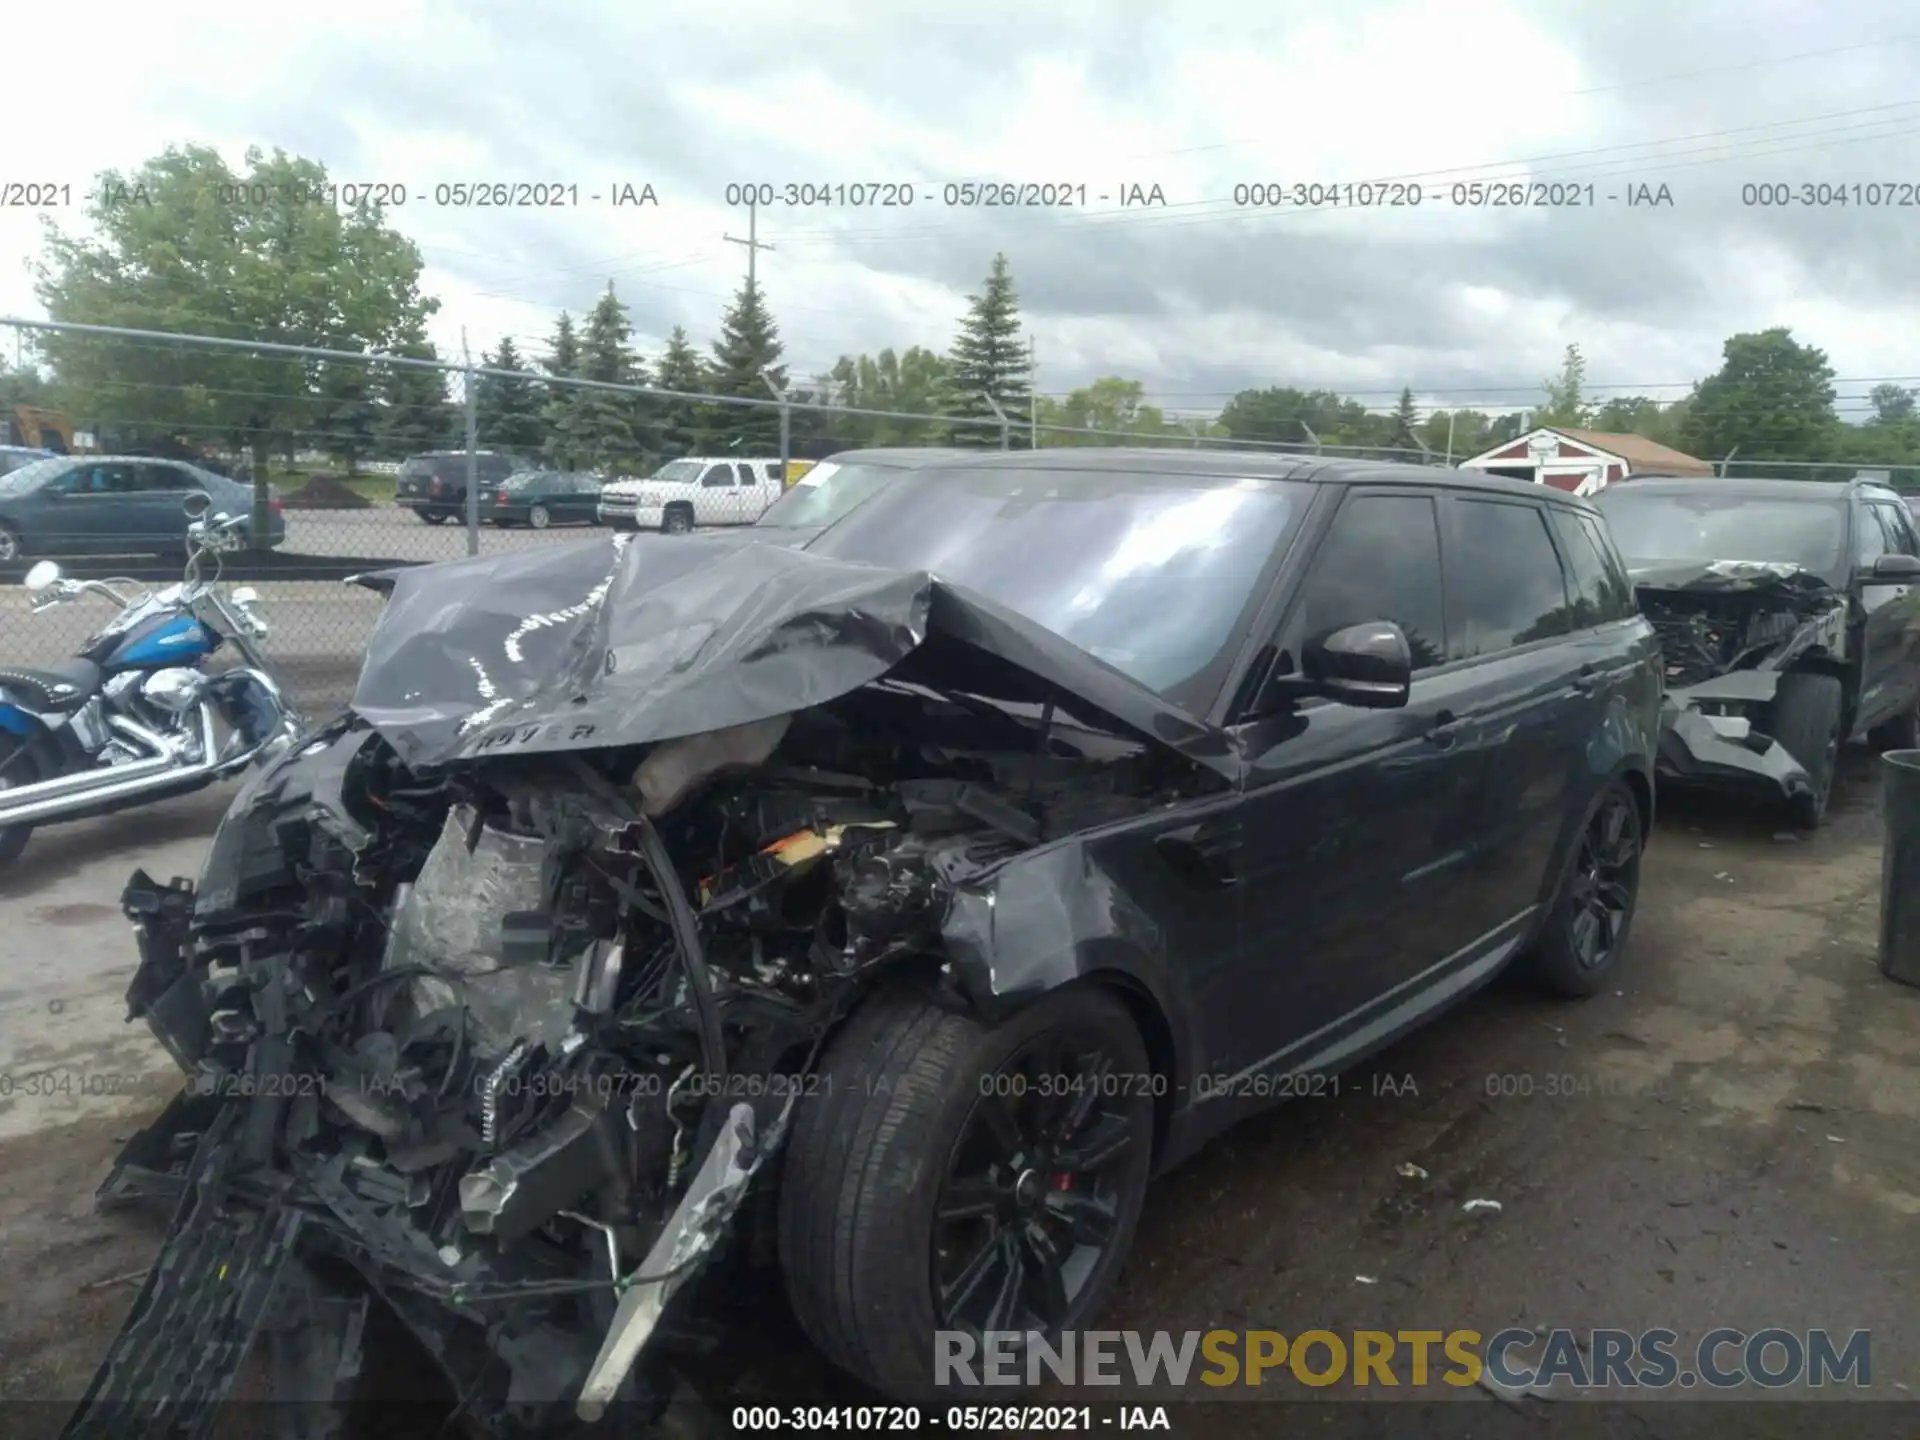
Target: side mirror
[[1897, 567], [245, 595], [1369, 665], [43, 576], [197, 504]]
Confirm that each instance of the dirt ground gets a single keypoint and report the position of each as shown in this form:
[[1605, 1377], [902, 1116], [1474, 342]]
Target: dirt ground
[[1727, 1139]]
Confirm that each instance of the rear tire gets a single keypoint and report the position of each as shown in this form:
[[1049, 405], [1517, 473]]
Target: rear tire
[[1580, 948], [1806, 720], [11, 548], [432, 517], [15, 770], [539, 517], [894, 1178]]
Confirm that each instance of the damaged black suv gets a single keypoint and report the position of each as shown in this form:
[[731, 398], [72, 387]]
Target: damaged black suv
[[1789, 621], [885, 910]]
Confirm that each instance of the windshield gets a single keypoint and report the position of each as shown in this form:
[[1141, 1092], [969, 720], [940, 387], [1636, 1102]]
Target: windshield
[[824, 494], [1154, 574], [18, 482], [679, 472], [1653, 529], [11, 460]]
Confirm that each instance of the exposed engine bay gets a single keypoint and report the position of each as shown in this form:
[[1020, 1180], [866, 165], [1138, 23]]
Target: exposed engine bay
[[514, 1038], [1731, 632], [1732, 615]]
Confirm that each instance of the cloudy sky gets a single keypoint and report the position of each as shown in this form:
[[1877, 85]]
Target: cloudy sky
[[1196, 299]]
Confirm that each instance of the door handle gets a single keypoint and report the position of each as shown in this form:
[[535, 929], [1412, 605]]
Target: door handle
[[1587, 679], [1201, 854], [1445, 733]]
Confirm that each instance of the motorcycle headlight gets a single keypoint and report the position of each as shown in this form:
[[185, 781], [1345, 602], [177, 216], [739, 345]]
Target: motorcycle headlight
[[174, 689]]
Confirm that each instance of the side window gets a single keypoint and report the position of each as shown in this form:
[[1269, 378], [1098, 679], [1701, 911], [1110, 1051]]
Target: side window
[[717, 475], [1899, 527], [1505, 586], [1870, 539], [1586, 572], [1620, 598], [1380, 561], [747, 477], [164, 477]]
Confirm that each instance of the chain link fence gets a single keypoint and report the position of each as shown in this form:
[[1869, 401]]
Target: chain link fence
[[1901, 477], [346, 462]]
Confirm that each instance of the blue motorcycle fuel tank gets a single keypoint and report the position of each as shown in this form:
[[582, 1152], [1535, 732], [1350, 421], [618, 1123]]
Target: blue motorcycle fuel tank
[[160, 641]]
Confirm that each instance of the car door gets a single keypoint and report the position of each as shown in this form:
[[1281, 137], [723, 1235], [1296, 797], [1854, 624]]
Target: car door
[[1359, 825], [163, 492], [1525, 696], [713, 503], [1889, 662], [88, 509]]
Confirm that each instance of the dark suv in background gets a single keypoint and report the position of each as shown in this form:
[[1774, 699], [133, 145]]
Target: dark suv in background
[[434, 485], [1790, 620]]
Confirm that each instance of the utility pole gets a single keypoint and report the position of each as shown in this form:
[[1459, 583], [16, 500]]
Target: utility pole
[[753, 243], [1033, 394]]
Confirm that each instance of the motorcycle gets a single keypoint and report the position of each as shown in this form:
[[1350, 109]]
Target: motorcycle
[[136, 716]]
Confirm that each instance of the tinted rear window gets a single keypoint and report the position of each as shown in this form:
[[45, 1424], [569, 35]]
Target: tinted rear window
[[1505, 586]]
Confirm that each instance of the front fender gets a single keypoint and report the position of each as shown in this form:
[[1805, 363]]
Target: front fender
[[1055, 916]]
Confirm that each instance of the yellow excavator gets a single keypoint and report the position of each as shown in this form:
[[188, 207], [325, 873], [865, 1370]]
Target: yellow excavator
[[40, 429]]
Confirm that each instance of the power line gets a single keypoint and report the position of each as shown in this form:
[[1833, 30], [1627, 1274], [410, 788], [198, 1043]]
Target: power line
[[1595, 89]]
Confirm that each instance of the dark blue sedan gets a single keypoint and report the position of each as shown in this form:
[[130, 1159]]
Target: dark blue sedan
[[70, 505]]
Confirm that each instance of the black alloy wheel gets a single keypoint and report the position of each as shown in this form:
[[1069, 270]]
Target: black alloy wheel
[[1034, 1189], [1585, 935], [1606, 878], [947, 1175]]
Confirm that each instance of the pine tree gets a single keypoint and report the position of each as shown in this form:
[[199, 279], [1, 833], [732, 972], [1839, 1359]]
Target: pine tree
[[415, 411], [1405, 417], [989, 358], [506, 410], [745, 357], [599, 424], [349, 415], [562, 364], [678, 429]]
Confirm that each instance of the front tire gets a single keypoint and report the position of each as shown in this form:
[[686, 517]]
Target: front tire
[[1579, 950], [931, 1185], [677, 521], [1806, 720]]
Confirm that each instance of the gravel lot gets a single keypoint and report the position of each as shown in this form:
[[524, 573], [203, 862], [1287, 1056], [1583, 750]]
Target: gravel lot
[[1736, 1146]]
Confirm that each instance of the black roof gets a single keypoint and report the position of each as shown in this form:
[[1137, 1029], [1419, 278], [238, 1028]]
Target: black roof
[[1753, 487], [1253, 465], [897, 457]]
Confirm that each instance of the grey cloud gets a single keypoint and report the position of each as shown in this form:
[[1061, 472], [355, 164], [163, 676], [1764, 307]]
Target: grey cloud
[[576, 91]]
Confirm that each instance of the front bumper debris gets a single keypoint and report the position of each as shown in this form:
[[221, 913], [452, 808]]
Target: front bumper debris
[[1726, 753]]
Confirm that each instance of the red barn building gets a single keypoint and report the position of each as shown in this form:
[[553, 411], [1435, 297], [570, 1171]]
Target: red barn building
[[1582, 461]]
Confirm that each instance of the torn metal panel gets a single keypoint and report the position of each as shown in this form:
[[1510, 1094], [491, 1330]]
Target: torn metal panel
[[712, 1197]]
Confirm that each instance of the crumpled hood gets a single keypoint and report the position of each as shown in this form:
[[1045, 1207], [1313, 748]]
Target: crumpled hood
[[629, 639], [1726, 577]]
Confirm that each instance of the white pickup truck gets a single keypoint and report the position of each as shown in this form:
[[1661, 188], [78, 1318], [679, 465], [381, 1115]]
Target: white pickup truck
[[697, 490]]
